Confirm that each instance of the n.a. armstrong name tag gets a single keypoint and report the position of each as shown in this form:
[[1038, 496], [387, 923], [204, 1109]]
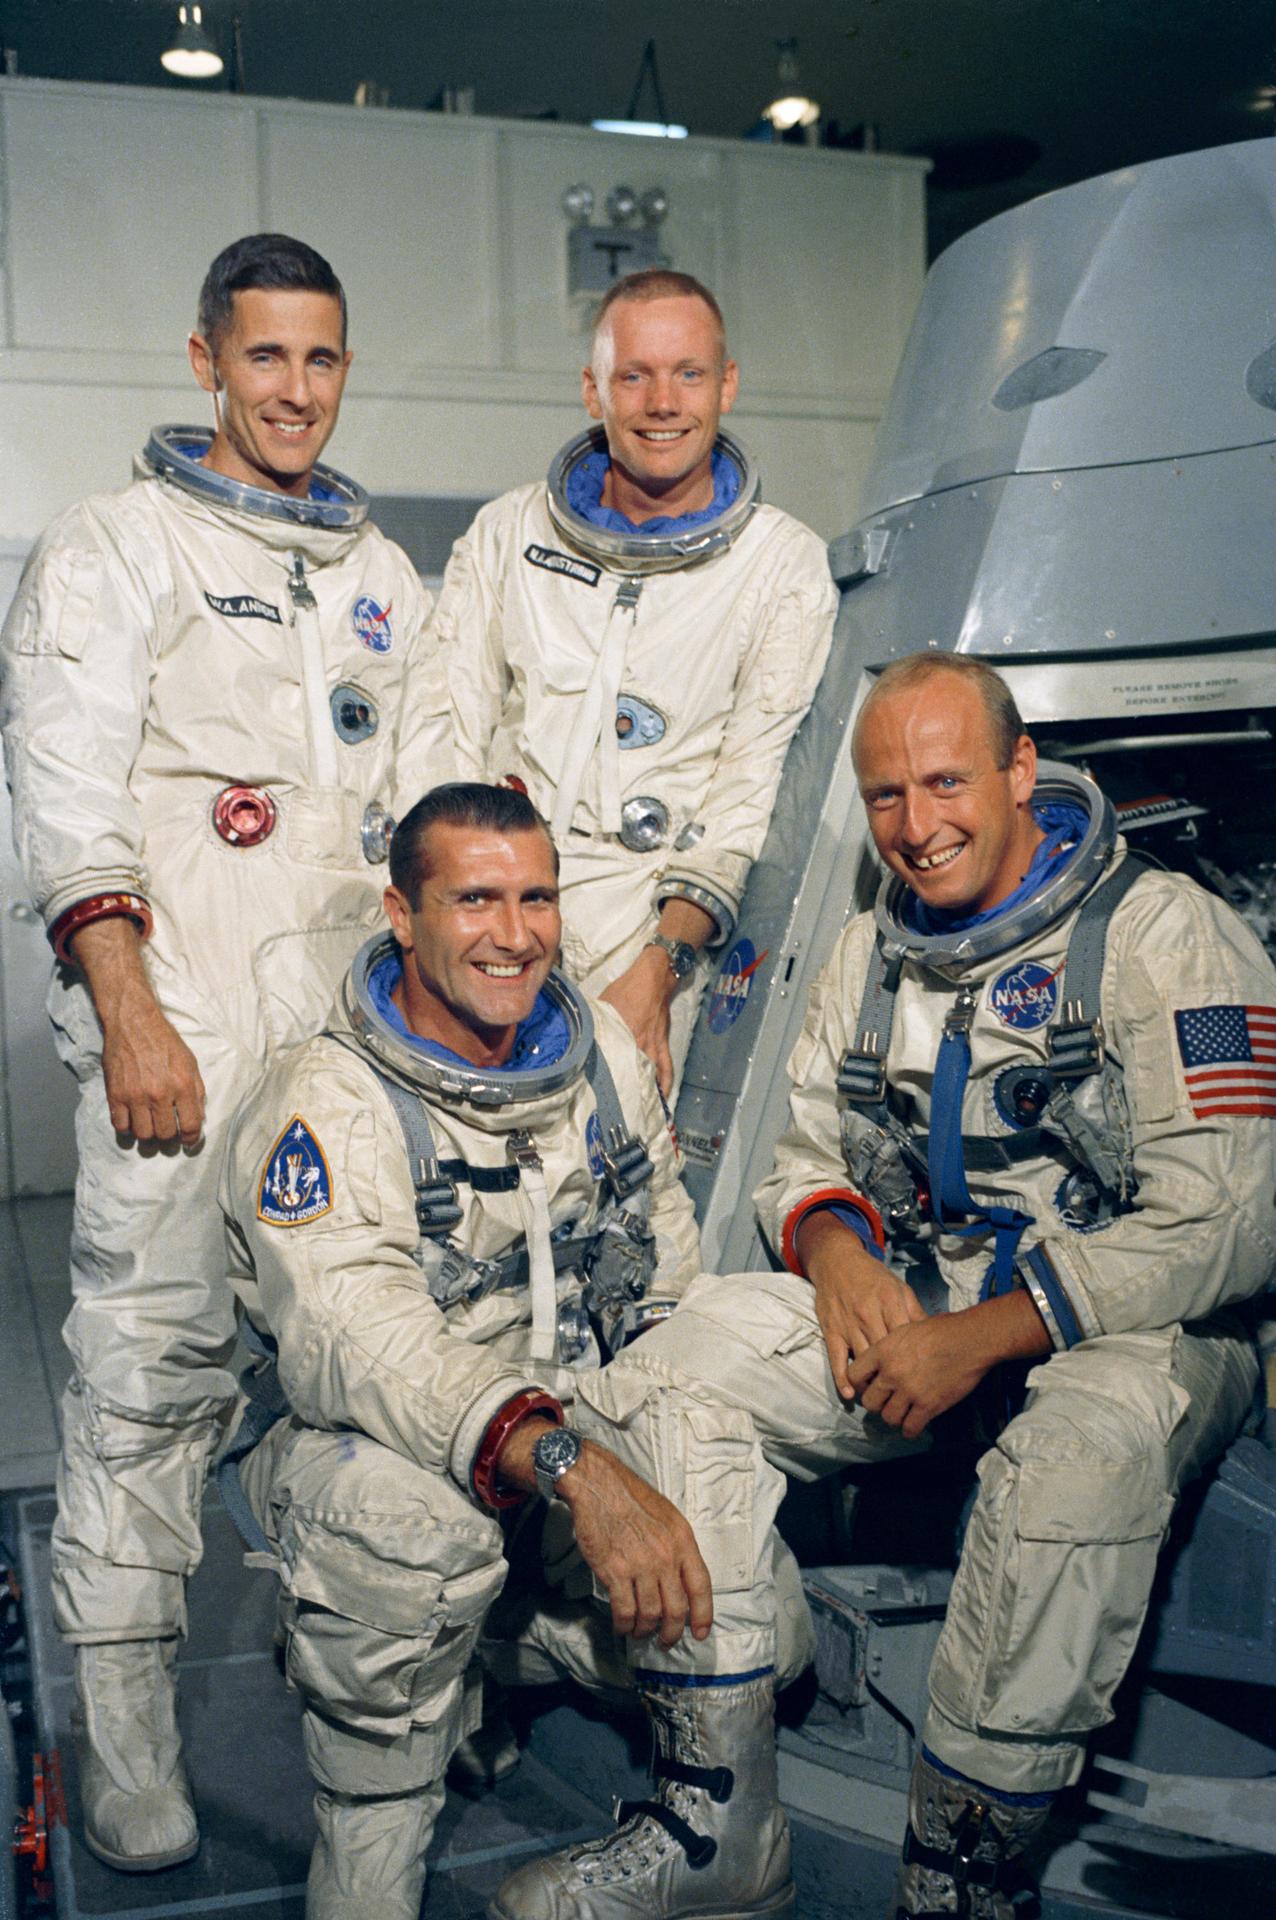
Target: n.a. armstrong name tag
[[243, 606], [555, 562]]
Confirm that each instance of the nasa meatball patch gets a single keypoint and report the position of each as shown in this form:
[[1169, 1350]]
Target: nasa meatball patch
[[1025, 995], [296, 1185], [371, 623]]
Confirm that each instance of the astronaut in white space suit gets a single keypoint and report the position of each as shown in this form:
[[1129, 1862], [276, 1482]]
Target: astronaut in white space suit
[[1048, 1063], [1049, 1067], [206, 726], [439, 1205], [635, 642]]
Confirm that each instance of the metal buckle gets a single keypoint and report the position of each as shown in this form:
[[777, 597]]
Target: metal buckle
[[960, 1017], [862, 1074], [625, 1163], [520, 1151], [1077, 1046], [438, 1207]]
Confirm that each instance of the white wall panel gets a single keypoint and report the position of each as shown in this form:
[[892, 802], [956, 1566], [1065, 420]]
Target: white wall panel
[[61, 442], [823, 236], [405, 208], [811, 467], [37, 1093], [116, 207], [548, 328]]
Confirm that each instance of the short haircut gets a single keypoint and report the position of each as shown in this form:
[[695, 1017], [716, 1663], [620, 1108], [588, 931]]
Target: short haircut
[[459, 803], [1005, 722], [272, 261], [659, 283]]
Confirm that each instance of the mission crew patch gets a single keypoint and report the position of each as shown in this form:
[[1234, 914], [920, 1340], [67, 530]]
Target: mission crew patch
[[296, 1185], [555, 562]]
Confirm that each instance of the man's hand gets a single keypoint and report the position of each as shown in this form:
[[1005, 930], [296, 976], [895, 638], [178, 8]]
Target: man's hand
[[153, 1085], [857, 1299], [637, 1544], [641, 996], [643, 993], [916, 1372]]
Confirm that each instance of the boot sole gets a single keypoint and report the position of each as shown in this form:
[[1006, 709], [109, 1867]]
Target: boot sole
[[779, 1903], [140, 1863]]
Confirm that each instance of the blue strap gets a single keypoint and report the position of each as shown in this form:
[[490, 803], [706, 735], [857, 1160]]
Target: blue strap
[[949, 1194]]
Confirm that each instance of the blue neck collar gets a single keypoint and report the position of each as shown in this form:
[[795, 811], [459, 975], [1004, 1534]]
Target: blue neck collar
[[584, 493], [1064, 825], [541, 1040]]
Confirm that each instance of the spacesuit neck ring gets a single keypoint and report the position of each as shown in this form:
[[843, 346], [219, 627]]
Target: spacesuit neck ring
[[176, 455], [1061, 889], [455, 1082], [640, 553]]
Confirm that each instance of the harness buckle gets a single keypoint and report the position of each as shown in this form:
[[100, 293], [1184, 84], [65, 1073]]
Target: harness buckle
[[438, 1208], [626, 1164], [1077, 1045], [960, 1017], [861, 1077], [520, 1151]]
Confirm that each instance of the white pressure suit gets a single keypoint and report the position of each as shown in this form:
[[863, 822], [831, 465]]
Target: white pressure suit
[[422, 1284], [395, 1276], [644, 689], [206, 698], [1127, 1152]]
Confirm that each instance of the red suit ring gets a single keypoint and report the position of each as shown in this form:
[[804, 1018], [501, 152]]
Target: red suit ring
[[244, 816]]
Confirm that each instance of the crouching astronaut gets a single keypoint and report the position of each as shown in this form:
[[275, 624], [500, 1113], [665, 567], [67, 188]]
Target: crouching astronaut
[[1042, 1059], [444, 1211]]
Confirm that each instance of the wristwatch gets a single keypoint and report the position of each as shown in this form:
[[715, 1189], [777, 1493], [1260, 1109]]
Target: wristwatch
[[555, 1453], [680, 954]]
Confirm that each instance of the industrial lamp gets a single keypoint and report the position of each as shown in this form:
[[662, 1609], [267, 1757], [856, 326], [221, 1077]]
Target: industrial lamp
[[661, 128], [790, 108], [192, 55]]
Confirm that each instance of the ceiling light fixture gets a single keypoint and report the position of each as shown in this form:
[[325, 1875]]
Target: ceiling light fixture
[[660, 129], [790, 108], [192, 55]]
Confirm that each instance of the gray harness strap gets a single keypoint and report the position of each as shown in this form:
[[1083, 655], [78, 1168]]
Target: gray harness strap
[[625, 1160], [862, 1074], [1076, 1038], [1075, 1041], [626, 1169]]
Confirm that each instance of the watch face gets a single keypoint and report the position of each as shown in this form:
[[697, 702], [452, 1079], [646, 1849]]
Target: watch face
[[680, 954], [556, 1451]]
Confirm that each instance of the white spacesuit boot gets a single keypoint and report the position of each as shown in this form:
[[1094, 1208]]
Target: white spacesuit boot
[[134, 1789], [369, 1857], [713, 1840], [963, 1845]]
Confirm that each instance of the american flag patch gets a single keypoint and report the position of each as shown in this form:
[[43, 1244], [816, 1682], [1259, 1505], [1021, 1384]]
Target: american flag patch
[[1229, 1059]]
